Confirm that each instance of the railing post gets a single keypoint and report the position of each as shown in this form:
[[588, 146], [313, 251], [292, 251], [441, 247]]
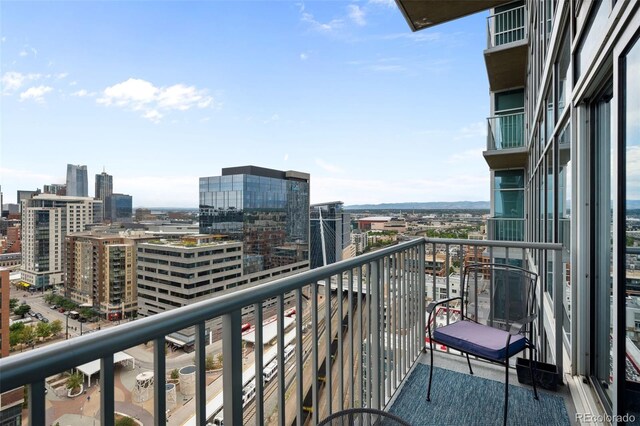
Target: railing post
[[422, 294], [159, 379], [281, 361], [259, 360], [36, 403], [107, 407], [558, 301], [201, 375], [374, 335], [232, 367]]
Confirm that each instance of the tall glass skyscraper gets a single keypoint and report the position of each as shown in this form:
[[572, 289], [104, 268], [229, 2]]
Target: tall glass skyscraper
[[77, 181], [104, 186], [266, 209]]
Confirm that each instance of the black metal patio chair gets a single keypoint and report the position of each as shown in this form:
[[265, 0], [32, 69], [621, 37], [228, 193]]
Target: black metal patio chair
[[495, 332]]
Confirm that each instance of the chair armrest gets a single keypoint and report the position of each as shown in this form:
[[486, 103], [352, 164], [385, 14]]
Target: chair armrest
[[431, 307], [517, 327]]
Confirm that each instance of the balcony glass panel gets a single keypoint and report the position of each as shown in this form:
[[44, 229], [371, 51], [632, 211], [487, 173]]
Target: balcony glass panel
[[506, 131]]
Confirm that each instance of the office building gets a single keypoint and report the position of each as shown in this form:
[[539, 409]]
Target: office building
[[23, 194], [330, 229], [174, 273], [100, 271], [77, 181], [562, 147], [55, 188], [118, 208], [268, 210], [104, 186], [46, 220]]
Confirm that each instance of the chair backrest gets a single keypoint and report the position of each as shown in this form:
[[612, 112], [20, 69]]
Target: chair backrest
[[498, 294]]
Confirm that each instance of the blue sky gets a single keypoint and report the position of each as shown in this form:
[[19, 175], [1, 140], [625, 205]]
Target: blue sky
[[161, 93]]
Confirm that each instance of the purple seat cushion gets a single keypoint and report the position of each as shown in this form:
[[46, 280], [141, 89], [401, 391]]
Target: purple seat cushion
[[478, 339]]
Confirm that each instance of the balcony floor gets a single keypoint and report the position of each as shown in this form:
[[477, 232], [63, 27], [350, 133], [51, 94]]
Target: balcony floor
[[460, 398]]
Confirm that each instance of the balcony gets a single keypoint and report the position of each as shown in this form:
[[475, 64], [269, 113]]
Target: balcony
[[506, 141], [357, 341], [506, 229], [506, 53]]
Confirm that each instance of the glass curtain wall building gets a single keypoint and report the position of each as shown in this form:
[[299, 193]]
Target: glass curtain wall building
[[563, 148], [266, 209], [77, 181], [330, 233]]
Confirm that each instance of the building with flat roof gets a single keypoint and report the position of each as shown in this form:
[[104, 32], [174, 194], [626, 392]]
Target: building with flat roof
[[100, 270], [266, 209], [46, 220]]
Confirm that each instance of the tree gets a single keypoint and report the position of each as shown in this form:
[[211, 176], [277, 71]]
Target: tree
[[74, 382], [22, 310], [28, 335], [49, 298], [43, 330], [56, 327], [125, 421], [13, 303], [209, 363]]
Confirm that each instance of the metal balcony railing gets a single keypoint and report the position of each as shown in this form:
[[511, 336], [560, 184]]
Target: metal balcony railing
[[359, 328], [506, 229], [506, 27], [505, 131]]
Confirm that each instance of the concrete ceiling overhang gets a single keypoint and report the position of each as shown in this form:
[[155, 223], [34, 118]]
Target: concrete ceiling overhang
[[421, 14]]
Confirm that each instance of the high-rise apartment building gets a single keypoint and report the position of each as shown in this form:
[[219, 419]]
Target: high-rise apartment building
[[266, 209], [24, 194], [104, 186], [46, 220], [563, 144], [100, 270], [330, 229], [77, 181]]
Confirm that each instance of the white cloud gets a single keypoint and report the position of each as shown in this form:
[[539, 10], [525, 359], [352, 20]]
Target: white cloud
[[356, 14], [12, 80], [23, 53], [82, 93], [4, 39], [387, 3], [286, 157], [304, 56], [331, 168], [140, 95], [62, 75], [35, 93], [327, 27]]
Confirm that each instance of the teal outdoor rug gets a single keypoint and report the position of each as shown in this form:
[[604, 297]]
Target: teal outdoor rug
[[463, 399]]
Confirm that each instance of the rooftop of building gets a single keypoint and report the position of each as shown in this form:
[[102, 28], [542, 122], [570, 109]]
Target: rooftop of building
[[193, 241]]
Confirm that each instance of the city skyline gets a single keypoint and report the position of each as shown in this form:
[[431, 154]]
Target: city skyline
[[162, 93]]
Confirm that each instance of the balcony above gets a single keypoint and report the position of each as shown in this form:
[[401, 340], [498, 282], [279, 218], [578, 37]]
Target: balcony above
[[506, 229], [428, 13], [506, 146], [506, 54]]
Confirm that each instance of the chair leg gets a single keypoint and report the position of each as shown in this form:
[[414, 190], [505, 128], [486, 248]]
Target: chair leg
[[506, 391], [469, 363], [532, 370], [430, 370]]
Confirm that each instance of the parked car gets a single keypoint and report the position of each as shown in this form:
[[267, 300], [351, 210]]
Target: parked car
[[61, 310], [45, 320], [39, 316], [31, 314], [54, 306], [82, 319]]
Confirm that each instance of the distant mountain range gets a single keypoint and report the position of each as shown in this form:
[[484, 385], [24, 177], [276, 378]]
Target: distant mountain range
[[438, 205], [447, 205]]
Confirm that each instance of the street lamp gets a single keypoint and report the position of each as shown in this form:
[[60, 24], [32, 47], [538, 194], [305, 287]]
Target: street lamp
[[67, 332]]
